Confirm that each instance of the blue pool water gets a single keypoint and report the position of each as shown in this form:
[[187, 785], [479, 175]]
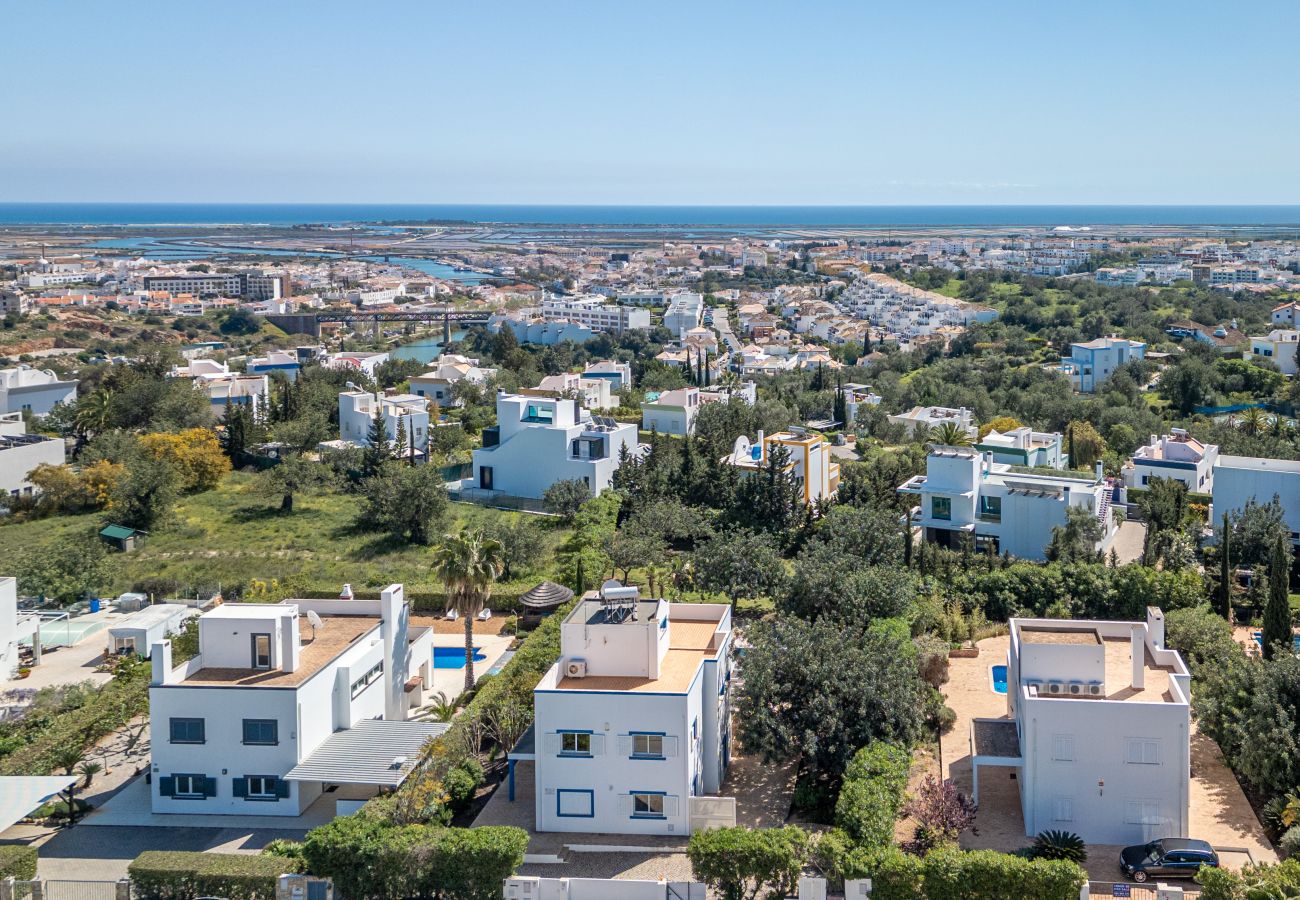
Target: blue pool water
[[1000, 679], [453, 657], [1295, 641]]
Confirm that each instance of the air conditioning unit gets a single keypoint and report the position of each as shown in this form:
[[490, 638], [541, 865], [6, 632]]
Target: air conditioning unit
[[575, 668], [1055, 687], [1097, 689], [1076, 688]]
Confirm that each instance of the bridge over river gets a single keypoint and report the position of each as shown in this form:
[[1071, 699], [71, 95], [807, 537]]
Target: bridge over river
[[309, 323]]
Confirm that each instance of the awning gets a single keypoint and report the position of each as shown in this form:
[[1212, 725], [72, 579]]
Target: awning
[[20, 794], [526, 747], [373, 751]]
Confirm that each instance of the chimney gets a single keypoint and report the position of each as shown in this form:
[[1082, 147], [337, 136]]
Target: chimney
[[1156, 626], [1139, 652], [290, 641], [160, 655], [1101, 471], [762, 447], [394, 615]]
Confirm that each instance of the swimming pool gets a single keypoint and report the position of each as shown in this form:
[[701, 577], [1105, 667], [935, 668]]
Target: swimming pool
[[999, 679], [1295, 640], [66, 632], [453, 657]]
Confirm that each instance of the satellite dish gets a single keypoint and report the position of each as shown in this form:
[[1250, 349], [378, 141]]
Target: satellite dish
[[740, 450], [314, 619], [346, 593]]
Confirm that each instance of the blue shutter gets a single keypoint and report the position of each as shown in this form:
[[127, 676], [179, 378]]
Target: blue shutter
[[209, 787], [239, 786], [281, 788], [167, 786]]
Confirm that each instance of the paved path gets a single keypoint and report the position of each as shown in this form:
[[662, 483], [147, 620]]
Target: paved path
[[1128, 542]]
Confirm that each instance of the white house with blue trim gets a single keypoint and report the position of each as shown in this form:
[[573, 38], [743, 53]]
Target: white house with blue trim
[[632, 730], [1090, 363], [1176, 455]]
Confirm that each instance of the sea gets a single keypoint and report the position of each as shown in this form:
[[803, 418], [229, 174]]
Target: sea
[[288, 214]]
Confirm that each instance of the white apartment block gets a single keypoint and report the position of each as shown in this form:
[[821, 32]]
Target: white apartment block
[[898, 308], [14, 627], [1176, 455], [21, 452], [538, 441], [1240, 479], [934, 416], [632, 732], [1090, 363], [1279, 348], [1097, 733], [1025, 447], [671, 412], [286, 702], [357, 414], [964, 493], [595, 313], [684, 312], [246, 285], [808, 459], [37, 391]]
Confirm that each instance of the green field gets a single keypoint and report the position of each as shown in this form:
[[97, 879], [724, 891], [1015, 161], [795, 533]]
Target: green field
[[236, 536]]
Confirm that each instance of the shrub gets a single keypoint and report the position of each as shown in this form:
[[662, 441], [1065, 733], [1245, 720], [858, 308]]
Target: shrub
[[1290, 842], [1053, 844], [872, 794], [1253, 881], [951, 874], [461, 783], [18, 862], [178, 875], [739, 862]]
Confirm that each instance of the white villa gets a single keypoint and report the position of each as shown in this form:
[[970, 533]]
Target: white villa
[[37, 391], [538, 441], [1025, 447], [965, 493], [1090, 363], [809, 460], [21, 452], [287, 702], [856, 397], [1097, 733], [618, 374], [1176, 455], [452, 369], [671, 412], [593, 392], [1278, 347], [632, 732], [1240, 479], [934, 416], [357, 415]]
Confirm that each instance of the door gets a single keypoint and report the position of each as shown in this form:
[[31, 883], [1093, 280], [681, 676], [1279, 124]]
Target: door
[[485, 477], [261, 651]]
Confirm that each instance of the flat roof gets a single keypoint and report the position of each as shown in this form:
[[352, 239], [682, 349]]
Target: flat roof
[[1258, 463], [1038, 634], [151, 615], [686, 653], [374, 751], [250, 611], [996, 738], [339, 633]]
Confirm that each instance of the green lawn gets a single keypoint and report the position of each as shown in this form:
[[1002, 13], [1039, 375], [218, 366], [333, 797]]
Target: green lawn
[[233, 535]]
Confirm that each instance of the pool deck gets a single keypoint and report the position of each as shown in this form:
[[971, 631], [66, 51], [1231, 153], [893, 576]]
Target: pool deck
[[452, 681]]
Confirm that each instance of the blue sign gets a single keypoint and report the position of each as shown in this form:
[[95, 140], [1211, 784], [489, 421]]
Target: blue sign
[[1121, 890]]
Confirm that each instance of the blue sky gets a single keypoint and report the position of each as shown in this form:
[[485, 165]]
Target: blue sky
[[674, 103]]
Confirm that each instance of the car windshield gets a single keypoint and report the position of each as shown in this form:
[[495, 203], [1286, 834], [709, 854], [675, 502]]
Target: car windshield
[[1154, 851]]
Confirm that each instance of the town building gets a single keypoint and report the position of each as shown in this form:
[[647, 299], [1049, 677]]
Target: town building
[[1176, 455], [671, 412], [245, 285], [21, 452], [684, 312], [285, 700], [808, 459], [1090, 363], [1098, 730], [1024, 447], [538, 441], [632, 726], [931, 417], [37, 391], [451, 369], [593, 312], [964, 495], [357, 411], [618, 374], [1238, 480], [1279, 348]]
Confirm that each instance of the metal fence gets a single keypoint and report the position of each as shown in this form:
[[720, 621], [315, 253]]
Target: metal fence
[[64, 889]]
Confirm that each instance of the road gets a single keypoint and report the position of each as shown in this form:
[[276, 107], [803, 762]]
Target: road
[[721, 319]]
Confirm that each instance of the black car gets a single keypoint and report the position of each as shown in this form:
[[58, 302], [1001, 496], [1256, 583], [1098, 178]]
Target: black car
[[1167, 858]]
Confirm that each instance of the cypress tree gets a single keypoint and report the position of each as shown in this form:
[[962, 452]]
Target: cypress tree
[[377, 451], [1225, 572], [1277, 612]]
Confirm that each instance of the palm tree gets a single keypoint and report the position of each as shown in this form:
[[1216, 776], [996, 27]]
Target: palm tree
[[92, 413], [1254, 421], [468, 564], [950, 434], [1281, 427]]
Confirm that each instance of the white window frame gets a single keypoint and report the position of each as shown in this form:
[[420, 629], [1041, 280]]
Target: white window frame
[[196, 783], [1063, 809], [1142, 752], [1136, 812], [577, 739], [649, 801], [267, 782], [1063, 748], [648, 746]]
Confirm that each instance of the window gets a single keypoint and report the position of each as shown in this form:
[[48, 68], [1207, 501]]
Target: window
[[261, 651], [1143, 752], [1142, 812], [575, 743], [190, 786], [647, 806], [261, 787], [187, 731], [372, 675], [575, 804], [648, 746], [1063, 747], [941, 508], [1063, 809], [261, 731], [990, 509]]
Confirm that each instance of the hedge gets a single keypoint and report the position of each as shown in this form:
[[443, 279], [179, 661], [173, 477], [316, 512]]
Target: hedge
[[872, 794], [960, 875], [17, 861], [179, 875], [372, 859]]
